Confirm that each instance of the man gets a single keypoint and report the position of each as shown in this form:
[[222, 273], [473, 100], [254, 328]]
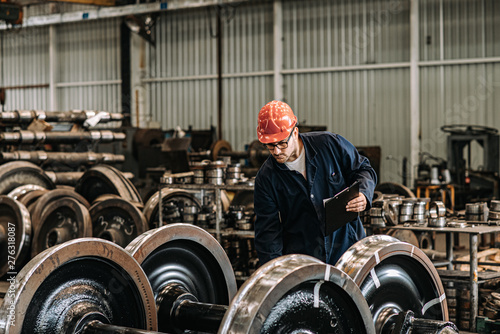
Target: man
[[302, 170]]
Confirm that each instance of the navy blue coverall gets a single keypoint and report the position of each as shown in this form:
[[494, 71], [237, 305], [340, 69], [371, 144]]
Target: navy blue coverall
[[290, 216]]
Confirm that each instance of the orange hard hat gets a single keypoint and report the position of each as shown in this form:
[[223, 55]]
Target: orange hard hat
[[275, 122]]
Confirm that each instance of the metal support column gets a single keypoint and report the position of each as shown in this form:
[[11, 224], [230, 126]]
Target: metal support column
[[414, 86], [278, 50], [473, 281], [52, 67], [449, 250]]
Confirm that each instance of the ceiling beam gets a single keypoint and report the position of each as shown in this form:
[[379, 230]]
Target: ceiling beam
[[118, 11]]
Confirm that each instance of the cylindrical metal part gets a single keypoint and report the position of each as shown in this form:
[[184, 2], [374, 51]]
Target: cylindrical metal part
[[406, 209], [38, 157], [495, 205], [97, 327], [199, 316], [37, 137], [437, 222], [57, 236], [419, 208], [437, 209], [73, 116], [113, 235], [178, 308], [472, 208]]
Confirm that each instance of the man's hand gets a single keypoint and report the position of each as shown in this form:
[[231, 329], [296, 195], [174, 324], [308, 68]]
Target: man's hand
[[357, 204]]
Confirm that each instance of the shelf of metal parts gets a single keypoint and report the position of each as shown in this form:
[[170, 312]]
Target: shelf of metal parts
[[218, 200], [474, 231]]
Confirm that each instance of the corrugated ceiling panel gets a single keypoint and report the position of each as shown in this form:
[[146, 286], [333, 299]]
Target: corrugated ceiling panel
[[24, 62], [49, 8]]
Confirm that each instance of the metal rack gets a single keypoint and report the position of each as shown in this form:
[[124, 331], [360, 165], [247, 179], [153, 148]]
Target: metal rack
[[217, 189]]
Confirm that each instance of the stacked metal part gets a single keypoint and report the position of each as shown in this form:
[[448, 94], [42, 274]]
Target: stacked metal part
[[437, 214], [406, 211], [216, 172], [494, 213], [26, 131], [103, 204], [233, 174], [476, 212]]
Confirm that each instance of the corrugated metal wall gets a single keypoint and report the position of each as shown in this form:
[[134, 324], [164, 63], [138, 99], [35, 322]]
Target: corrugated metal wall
[[329, 48], [466, 91], [86, 71], [345, 65], [25, 63], [88, 66], [182, 75], [320, 37]]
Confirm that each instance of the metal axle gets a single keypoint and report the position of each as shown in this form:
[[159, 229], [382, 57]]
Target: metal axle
[[59, 137], [178, 308], [97, 327], [38, 157], [73, 116]]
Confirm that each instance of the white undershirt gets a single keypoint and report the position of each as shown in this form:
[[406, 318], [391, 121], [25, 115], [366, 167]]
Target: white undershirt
[[299, 164]]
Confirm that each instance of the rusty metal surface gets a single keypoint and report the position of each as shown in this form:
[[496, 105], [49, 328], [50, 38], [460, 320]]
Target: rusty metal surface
[[20, 191], [105, 179], [41, 203], [118, 220], [15, 235], [61, 221], [18, 173]]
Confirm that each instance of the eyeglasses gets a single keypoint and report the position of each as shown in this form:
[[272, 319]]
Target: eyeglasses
[[281, 145]]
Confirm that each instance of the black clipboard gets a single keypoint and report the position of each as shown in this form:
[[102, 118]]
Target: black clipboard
[[336, 214]]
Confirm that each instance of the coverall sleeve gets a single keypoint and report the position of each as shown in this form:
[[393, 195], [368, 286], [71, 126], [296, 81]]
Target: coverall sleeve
[[358, 168], [268, 226]]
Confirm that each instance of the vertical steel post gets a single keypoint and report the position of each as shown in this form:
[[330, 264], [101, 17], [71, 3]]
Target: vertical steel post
[[473, 281]]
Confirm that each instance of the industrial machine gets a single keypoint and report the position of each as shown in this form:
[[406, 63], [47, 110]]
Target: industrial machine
[[482, 183]]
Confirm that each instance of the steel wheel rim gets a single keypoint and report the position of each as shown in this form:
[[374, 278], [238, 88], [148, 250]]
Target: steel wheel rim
[[253, 305], [151, 208], [127, 220], [11, 209], [79, 224], [149, 249], [395, 276], [122, 278]]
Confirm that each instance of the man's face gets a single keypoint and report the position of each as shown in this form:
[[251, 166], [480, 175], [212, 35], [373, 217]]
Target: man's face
[[283, 154]]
